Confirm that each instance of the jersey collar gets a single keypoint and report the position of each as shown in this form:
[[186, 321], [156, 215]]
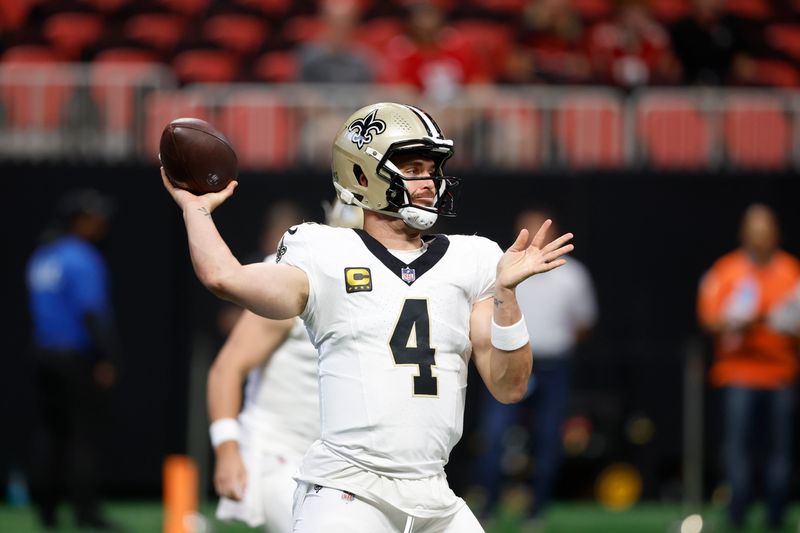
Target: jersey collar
[[411, 272]]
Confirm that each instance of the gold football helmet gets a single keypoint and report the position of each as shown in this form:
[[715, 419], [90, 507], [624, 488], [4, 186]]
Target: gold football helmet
[[366, 144]]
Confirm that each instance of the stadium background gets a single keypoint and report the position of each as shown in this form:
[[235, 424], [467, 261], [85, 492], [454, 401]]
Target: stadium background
[[652, 180]]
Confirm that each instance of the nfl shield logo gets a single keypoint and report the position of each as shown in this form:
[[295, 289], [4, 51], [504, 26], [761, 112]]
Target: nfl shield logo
[[408, 275]]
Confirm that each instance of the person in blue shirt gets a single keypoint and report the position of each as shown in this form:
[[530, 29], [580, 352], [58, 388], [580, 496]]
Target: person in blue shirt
[[75, 353]]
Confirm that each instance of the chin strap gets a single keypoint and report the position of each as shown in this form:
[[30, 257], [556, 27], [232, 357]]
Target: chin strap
[[417, 218]]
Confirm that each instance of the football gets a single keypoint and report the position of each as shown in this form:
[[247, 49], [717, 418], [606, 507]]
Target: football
[[196, 156]]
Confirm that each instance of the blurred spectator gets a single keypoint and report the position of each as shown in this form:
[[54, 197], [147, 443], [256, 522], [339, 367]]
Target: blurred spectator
[[336, 58], [755, 366], [75, 353], [278, 217], [710, 46], [554, 35], [632, 49], [431, 56], [560, 309]]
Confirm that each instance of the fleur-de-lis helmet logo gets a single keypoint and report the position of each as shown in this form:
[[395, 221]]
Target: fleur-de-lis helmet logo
[[362, 129]]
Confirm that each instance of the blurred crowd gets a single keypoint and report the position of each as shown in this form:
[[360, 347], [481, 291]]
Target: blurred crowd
[[437, 45]]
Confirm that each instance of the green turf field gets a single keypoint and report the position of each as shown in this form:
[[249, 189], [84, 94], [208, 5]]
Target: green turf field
[[145, 517]]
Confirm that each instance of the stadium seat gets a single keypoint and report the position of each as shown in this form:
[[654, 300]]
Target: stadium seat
[[13, 14], [592, 9], [749, 9], [589, 131], [31, 53], [301, 29], [260, 128], [71, 32], [280, 67], [35, 89], [206, 66], [161, 107], [673, 132], [669, 11], [777, 73], [491, 40], [756, 132], [243, 34], [516, 138], [114, 74], [162, 31], [786, 38], [376, 34]]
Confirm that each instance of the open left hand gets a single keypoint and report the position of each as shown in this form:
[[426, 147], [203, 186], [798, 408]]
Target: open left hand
[[521, 262]]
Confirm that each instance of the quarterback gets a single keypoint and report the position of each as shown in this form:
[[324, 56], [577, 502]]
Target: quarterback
[[395, 316]]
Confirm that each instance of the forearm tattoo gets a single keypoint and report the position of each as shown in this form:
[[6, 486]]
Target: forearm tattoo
[[205, 211], [498, 302]]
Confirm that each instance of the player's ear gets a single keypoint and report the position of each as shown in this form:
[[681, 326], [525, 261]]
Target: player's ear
[[362, 180]]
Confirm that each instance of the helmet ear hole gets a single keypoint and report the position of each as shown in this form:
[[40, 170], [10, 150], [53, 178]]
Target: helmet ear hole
[[358, 173]]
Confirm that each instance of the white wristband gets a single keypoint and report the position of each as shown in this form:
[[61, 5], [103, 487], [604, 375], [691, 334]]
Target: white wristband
[[223, 430], [510, 338]]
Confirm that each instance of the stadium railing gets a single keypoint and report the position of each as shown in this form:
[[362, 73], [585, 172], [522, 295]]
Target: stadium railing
[[115, 113]]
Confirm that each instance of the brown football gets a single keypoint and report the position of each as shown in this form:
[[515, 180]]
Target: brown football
[[196, 156]]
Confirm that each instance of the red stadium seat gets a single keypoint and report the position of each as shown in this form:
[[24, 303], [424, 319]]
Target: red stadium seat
[[260, 128], [777, 73], [377, 33], [592, 9], [243, 34], [785, 37], [491, 40], [72, 32], [162, 31], [207, 66], [114, 75], [589, 131], [280, 67], [669, 11], [161, 107], [31, 53], [36, 90], [749, 9], [516, 139], [302, 29], [757, 133], [673, 132], [14, 13]]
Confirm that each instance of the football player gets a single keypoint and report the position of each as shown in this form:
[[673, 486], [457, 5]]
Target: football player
[[258, 452], [395, 317]]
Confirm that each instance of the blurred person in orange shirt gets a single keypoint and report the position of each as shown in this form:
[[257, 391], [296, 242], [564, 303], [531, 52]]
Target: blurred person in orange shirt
[[755, 365]]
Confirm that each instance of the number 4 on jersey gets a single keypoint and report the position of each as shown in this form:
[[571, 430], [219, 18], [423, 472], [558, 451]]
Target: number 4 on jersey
[[411, 345]]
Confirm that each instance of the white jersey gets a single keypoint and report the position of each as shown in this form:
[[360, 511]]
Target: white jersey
[[279, 421], [556, 305], [393, 342], [281, 398]]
